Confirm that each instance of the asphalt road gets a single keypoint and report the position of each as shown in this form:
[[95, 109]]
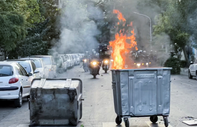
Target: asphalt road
[[98, 106]]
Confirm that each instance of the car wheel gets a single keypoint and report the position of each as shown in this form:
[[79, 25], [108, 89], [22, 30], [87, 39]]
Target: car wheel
[[18, 102], [189, 75], [196, 75]]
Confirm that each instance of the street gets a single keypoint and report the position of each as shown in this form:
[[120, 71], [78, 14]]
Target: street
[[98, 106]]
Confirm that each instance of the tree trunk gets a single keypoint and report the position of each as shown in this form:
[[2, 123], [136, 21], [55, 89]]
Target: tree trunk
[[186, 57]]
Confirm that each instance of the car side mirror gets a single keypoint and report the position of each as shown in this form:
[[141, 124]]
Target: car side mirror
[[29, 74], [36, 72]]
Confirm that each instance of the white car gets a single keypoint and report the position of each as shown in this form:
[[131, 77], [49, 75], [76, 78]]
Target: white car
[[39, 66], [192, 71], [15, 83], [49, 64], [65, 62], [77, 58], [59, 62], [28, 65], [70, 60]]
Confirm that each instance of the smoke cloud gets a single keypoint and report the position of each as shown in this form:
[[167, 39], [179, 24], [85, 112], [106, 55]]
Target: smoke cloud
[[80, 19], [78, 27]]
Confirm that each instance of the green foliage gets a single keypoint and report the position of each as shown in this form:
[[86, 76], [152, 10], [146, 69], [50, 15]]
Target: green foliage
[[173, 22], [34, 15], [52, 14], [183, 63], [175, 18], [175, 64], [15, 17], [12, 29]]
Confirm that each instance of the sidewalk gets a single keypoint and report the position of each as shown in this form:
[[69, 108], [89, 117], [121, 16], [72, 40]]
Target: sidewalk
[[184, 71]]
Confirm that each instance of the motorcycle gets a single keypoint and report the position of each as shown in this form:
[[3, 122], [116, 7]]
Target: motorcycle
[[85, 65], [105, 65], [94, 68]]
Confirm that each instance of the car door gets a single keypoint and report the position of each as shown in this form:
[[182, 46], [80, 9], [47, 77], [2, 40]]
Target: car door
[[195, 70], [192, 70], [27, 82]]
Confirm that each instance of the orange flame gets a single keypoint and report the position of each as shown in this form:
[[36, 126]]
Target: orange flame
[[120, 46], [119, 15]]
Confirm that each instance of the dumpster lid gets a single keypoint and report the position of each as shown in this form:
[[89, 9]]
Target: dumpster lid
[[55, 83], [142, 69]]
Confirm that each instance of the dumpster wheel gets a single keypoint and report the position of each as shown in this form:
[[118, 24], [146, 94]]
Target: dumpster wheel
[[153, 119], [126, 121], [118, 120], [165, 119], [73, 121]]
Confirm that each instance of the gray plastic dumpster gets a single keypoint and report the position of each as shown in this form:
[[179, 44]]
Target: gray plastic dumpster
[[55, 102], [141, 92]]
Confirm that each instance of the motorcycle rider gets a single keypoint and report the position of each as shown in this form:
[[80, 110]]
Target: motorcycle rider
[[95, 56]]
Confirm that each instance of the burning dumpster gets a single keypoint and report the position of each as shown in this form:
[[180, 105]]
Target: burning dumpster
[[140, 93], [55, 102]]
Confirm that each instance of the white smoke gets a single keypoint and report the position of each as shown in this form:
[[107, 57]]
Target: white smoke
[[78, 27]]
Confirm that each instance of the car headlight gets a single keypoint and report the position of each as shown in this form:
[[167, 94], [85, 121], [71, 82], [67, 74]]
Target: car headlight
[[138, 64], [106, 61], [94, 63], [85, 60], [147, 64]]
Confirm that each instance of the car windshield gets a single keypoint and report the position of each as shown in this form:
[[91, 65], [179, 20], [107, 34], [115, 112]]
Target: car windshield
[[37, 63], [47, 61], [5, 70], [25, 65]]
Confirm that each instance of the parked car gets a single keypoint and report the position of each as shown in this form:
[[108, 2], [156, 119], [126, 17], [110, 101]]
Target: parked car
[[49, 64], [15, 82], [65, 62], [70, 60], [192, 71], [59, 62], [28, 65], [77, 58], [39, 66]]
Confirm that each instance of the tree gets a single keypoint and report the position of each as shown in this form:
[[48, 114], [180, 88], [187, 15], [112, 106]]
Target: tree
[[12, 30], [51, 12], [16, 17], [173, 22], [173, 19]]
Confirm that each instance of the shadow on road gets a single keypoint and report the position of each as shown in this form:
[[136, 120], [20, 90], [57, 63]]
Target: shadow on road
[[10, 103]]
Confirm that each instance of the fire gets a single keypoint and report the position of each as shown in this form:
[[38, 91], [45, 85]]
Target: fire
[[122, 43]]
